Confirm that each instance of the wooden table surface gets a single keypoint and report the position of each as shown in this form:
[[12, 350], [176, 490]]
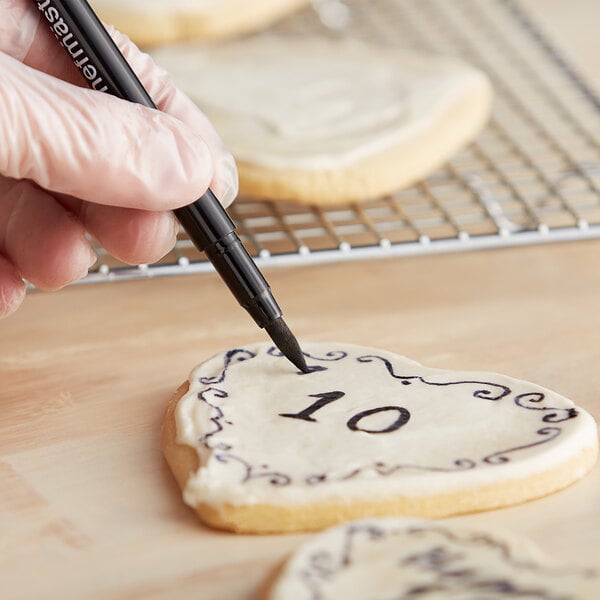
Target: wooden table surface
[[88, 508]]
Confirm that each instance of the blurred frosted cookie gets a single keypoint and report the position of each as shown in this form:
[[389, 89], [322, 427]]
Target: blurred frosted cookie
[[257, 446], [396, 558], [326, 122], [152, 22]]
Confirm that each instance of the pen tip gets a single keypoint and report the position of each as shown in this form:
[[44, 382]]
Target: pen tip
[[284, 339]]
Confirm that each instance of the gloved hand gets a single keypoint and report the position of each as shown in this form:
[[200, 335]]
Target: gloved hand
[[74, 160]]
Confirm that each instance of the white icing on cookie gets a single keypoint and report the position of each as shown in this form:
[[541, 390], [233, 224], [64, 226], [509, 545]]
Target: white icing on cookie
[[313, 103], [365, 424], [393, 558]]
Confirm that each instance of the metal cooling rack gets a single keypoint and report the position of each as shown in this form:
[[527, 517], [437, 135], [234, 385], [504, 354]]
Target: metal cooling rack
[[532, 176]]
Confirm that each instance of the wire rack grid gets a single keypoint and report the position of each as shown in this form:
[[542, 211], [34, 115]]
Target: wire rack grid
[[532, 176]]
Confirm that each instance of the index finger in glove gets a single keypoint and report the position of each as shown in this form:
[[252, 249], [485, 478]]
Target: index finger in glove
[[96, 147], [29, 39]]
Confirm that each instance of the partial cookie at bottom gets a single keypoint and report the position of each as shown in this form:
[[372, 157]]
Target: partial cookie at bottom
[[397, 558]]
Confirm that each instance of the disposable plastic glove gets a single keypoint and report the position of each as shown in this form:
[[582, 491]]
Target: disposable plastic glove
[[74, 160]]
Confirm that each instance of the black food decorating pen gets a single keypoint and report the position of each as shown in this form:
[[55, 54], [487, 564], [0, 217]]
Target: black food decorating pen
[[82, 35]]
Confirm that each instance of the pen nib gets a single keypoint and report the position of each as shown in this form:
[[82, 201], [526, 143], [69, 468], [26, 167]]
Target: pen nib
[[284, 339]]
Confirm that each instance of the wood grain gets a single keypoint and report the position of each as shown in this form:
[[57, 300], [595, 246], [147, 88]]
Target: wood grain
[[88, 508], [86, 500]]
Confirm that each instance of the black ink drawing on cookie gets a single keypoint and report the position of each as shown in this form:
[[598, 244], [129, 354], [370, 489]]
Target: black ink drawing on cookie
[[330, 356], [391, 418]]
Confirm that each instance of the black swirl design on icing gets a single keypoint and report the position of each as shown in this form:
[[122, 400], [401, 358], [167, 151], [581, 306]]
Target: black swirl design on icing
[[252, 472], [531, 401], [219, 418], [444, 561], [371, 532], [331, 356], [385, 470], [315, 478], [231, 357], [485, 394], [548, 433], [321, 563], [482, 540], [226, 454]]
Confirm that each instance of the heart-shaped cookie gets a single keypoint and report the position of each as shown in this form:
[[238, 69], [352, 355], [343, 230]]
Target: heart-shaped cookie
[[257, 446]]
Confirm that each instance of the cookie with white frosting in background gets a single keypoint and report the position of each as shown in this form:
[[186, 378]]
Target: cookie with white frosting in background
[[152, 22], [257, 446], [324, 122], [398, 558]]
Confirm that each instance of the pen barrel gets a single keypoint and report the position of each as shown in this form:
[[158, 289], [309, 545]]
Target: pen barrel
[[213, 232], [82, 35], [104, 68]]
